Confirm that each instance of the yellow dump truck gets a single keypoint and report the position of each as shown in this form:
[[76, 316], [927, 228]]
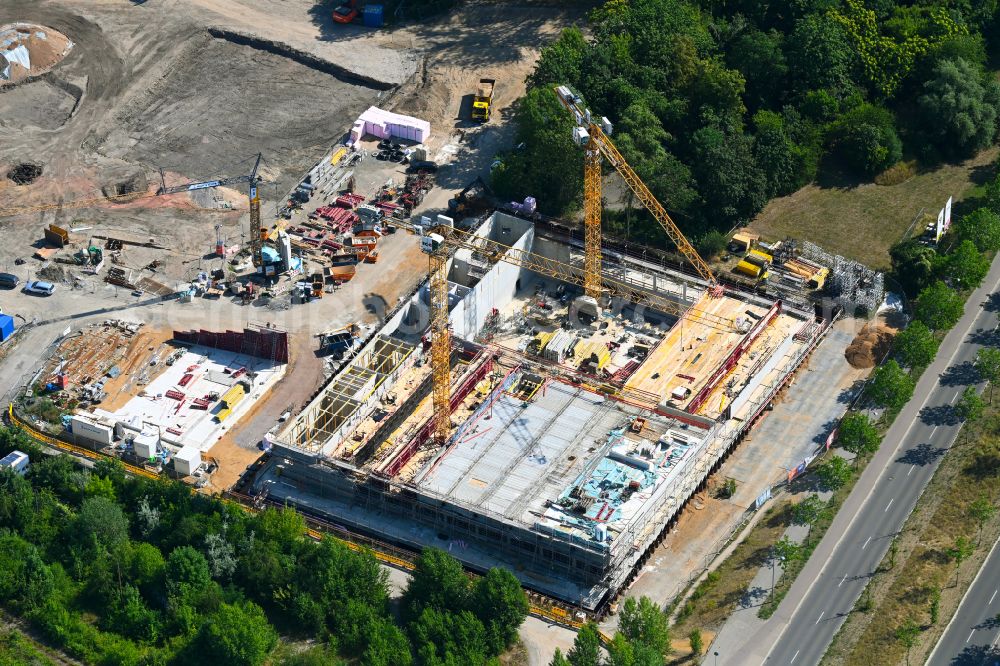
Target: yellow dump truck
[[482, 103]]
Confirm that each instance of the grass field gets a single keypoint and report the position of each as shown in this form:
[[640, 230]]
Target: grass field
[[863, 221], [904, 588]]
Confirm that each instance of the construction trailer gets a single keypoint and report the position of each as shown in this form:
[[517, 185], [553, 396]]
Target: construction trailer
[[543, 470]]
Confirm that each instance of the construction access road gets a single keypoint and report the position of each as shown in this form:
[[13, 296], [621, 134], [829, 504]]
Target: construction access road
[[973, 634], [842, 564]]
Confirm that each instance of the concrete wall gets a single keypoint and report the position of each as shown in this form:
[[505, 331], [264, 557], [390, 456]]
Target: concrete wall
[[496, 289]]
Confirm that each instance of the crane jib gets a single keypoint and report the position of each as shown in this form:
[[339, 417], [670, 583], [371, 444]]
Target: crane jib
[[201, 186]]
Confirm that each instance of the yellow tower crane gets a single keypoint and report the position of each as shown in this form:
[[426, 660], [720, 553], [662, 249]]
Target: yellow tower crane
[[444, 240], [592, 134]]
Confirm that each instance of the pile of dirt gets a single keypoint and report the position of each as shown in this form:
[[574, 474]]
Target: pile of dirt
[[870, 346], [52, 273], [24, 174], [29, 50]]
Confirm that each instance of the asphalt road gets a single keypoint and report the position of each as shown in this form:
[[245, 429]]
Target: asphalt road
[[973, 634], [843, 563]]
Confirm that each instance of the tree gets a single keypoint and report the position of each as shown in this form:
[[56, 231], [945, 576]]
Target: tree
[[959, 552], [387, 646], [808, 510], [643, 623], [935, 609], [586, 650], [101, 522], [834, 473], [969, 408], [865, 139], [549, 165], [857, 435], [988, 366], [958, 108], [786, 550], [730, 181], [819, 54], [781, 159], [712, 244], [939, 306], [759, 58], [558, 659], [561, 61], [236, 634], [965, 266], [916, 345], [982, 226], [440, 637], [981, 510], [907, 634], [889, 386], [501, 605], [697, 645], [437, 582], [913, 265], [130, 616]]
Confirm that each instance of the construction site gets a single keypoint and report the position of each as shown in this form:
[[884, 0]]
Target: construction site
[[539, 408], [514, 389]]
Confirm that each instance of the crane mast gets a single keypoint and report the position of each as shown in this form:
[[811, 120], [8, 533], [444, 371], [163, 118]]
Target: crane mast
[[440, 343], [596, 143]]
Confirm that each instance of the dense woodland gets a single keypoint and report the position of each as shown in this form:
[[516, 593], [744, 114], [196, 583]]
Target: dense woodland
[[121, 570], [720, 105]]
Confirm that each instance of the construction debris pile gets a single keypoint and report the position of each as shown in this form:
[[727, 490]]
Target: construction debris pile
[[84, 363]]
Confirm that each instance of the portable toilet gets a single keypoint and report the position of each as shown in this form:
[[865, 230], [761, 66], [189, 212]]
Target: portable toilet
[[6, 327], [373, 16]]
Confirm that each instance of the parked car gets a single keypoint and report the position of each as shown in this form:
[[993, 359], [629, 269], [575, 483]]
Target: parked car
[[9, 280], [40, 288], [346, 12], [422, 165]]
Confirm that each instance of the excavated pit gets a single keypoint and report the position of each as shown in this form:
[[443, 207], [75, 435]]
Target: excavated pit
[[25, 173]]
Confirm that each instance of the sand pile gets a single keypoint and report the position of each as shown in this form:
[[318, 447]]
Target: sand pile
[[28, 50], [870, 346]]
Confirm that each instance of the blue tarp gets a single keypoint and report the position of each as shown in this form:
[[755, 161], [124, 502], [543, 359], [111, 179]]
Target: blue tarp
[[6, 327]]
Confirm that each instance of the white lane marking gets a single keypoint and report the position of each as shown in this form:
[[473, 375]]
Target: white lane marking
[[842, 580], [866, 543], [934, 430], [956, 397], [992, 598], [970, 636], [889, 504], [794, 656], [820, 617], [911, 470]]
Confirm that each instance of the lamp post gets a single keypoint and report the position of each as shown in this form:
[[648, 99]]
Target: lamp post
[[716, 653]]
